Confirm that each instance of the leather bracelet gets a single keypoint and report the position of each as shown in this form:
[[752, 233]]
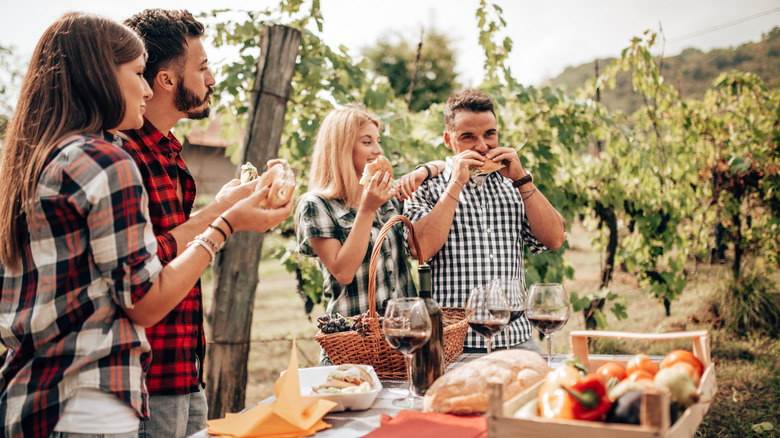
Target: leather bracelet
[[224, 236], [522, 181], [458, 183], [227, 223], [427, 169]]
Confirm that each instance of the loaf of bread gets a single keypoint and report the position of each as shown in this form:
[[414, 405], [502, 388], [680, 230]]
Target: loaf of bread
[[463, 390]]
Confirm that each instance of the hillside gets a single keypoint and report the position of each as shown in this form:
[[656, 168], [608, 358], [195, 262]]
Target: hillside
[[691, 72]]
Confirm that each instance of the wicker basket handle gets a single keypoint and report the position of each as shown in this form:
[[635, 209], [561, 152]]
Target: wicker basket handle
[[375, 257]]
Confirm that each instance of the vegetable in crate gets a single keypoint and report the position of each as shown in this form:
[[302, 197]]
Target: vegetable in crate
[[568, 394]]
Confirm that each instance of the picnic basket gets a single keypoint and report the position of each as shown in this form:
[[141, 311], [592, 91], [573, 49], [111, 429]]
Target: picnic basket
[[372, 349]]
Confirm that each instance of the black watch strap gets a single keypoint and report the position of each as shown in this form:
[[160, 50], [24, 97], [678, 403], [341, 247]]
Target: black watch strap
[[427, 169], [524, 180]]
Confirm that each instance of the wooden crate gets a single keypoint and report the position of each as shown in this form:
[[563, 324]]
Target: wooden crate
[[655, 406]]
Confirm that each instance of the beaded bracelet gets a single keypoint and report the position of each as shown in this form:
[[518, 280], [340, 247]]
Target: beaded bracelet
[[214, 245], [204, 245]]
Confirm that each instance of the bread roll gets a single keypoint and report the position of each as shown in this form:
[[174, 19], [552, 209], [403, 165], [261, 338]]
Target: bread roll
[[463, 390], [379, 165], [488, 167], [282, 181]]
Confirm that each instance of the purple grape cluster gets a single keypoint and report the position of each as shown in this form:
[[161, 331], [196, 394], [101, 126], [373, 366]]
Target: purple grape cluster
[[334, 324]]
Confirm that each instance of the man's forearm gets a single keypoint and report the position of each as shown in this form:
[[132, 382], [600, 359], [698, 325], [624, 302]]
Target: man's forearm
[[546, 223]]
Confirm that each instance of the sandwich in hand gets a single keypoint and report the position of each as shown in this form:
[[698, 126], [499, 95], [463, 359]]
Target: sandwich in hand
[[379, 165], [281, 178], [488, 167], [346, 379], [248, 172]]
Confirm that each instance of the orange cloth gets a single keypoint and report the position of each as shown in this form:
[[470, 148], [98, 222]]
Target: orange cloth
[[283, 418], [415, 424]]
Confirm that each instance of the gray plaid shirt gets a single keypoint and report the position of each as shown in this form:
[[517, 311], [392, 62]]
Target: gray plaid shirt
[[485, 242], [321, 217]]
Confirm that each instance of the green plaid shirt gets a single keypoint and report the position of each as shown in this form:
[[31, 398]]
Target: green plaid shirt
[[321, 217]]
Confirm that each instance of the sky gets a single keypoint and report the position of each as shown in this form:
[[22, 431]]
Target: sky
[[548, 35]]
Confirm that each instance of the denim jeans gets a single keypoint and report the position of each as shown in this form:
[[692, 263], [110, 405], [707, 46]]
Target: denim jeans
[[174, 416], [92, 435], [530, 344]]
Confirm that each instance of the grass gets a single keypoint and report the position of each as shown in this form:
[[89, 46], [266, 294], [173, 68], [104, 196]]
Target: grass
[[747, 369]]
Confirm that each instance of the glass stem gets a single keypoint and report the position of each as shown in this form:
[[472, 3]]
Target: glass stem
[[408, 359], [489, 341], [549, 350], [506, 335]]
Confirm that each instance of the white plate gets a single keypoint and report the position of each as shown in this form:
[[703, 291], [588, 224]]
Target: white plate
[[316, 376]]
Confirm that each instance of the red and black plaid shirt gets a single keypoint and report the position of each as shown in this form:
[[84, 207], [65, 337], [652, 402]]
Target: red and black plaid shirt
[[178, 341]]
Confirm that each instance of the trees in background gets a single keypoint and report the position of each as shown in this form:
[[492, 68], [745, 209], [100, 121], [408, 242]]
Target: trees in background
[[649, 186], [394, 57]]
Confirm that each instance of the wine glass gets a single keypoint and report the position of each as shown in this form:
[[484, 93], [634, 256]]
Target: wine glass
[[407, 327], [547, 309], [488, 312], [515, 297]]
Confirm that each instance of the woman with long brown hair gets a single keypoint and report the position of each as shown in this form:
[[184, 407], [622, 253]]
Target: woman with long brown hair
[[78, 264]]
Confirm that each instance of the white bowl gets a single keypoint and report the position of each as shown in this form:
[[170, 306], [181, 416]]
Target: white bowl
[[316, 376]]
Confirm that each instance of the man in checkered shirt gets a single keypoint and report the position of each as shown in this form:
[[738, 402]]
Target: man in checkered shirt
[[475, 227]]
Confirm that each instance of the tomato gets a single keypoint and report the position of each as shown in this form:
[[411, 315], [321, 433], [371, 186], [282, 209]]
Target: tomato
[[639, 375], [641, 362], [683, 356], [642, 377], [609, 370], [689, 369]]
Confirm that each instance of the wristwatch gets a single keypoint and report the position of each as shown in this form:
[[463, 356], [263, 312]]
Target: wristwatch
[[524, 180]]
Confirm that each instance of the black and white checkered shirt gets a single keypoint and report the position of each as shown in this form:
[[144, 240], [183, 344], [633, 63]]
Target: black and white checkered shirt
[[485, 242]]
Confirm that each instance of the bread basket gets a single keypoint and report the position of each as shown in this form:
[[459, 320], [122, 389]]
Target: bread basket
[[372, 349]]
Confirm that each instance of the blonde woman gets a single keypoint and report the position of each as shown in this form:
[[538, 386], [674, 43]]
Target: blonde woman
[[338, 220]]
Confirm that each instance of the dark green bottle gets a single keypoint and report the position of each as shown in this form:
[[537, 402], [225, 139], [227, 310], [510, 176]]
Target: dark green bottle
[[428, 361]]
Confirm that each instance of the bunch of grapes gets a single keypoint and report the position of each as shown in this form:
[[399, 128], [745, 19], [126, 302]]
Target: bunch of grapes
[[339, 323]]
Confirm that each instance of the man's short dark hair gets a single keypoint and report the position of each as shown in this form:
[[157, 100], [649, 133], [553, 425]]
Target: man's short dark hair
[[466, 100], [165, 35]]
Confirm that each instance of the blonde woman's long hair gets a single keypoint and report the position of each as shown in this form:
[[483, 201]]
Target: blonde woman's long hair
[[332, 171], [70, 88]]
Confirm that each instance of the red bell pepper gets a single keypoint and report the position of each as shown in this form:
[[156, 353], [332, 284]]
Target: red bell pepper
[[590, 399]]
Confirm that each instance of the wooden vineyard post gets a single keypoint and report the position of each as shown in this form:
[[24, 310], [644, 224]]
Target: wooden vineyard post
[[235, 269]]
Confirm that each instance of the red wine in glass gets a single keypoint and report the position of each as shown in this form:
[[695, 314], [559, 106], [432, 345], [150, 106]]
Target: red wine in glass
[[405, 341], [406, 326], [548, 309], [515, 296], [515, 314], [486, 329], [547, 324], [488, 312]]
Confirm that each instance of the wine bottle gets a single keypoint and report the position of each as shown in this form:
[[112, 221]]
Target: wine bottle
[[428, 361]]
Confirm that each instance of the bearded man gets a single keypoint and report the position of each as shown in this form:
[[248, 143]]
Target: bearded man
[[177, 71]]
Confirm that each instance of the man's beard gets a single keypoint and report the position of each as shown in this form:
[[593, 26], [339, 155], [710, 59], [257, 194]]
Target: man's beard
[[188, 102]]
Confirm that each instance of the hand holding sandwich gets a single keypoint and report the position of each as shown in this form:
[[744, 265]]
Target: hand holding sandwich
[[512, 169], [379, 190]]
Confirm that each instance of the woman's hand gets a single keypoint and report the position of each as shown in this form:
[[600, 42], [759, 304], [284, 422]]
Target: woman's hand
[[380, 190], [249, 216], [409, 183]]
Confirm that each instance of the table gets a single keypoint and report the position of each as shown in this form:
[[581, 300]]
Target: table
[[355, 424]]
